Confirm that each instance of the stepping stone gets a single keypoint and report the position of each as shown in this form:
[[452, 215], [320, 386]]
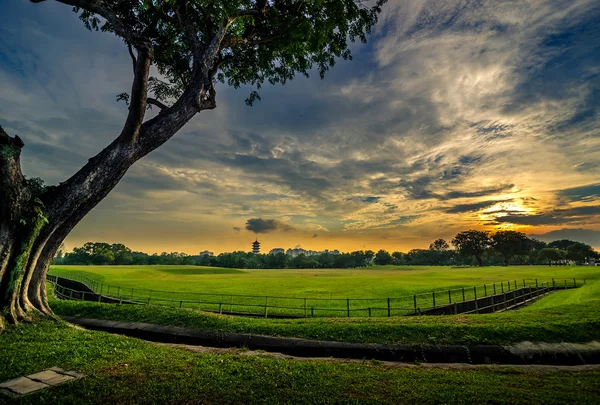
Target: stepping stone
[[38, 381], [22, 386], [50, 377]]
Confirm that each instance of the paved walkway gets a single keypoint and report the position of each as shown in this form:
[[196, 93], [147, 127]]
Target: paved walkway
[[38, 381]]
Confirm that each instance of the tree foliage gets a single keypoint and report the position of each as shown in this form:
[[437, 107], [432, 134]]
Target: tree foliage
[[509, 244], [472, 243]]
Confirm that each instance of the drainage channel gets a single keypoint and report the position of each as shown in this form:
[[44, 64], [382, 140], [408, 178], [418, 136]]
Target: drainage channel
[[528, 353]]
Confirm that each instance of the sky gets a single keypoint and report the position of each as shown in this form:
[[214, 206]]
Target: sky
[[455, 115]]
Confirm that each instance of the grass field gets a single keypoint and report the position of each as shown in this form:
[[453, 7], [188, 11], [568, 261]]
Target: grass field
[[374, 282], [129, 371], [326, 292], [563, 316]]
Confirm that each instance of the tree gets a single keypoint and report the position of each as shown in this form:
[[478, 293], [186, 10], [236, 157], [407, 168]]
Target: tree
[[383, 257], [439, 245], [562, 244], [509, 244], [580, 252], [472, 243], [193, 44], [551, 255]]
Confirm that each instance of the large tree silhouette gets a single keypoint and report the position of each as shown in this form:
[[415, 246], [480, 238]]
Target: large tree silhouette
[[193, 44]]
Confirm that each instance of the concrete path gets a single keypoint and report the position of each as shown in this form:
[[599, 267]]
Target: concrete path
[[38, 381]]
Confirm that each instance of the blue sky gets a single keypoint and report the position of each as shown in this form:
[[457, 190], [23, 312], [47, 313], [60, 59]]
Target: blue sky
[[455, 115]]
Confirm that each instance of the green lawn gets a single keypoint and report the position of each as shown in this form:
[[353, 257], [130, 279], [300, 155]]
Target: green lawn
[[129, 371], [326, 290], [563, 316]]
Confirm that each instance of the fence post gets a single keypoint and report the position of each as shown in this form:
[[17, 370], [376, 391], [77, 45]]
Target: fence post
[[449, 297], [463, 291], [348, 306], [181, 304], [369, 312], [494, 288], [584, 283], [266, 306], [434, 299], [415, 302], [476, 303], [389, 313], [120, 301], [484, 290], [574, 283], [537, 294], [220, 308], [71, 294], [515, 284], [312, 312], [565, 283], [523, 283], [305, 307], [99, 297], [83, 296], [502, 286], [508, 285]]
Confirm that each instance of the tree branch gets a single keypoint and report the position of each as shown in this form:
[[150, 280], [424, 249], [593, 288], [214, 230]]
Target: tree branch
[[130, 49], [139, 95], [157, 103]]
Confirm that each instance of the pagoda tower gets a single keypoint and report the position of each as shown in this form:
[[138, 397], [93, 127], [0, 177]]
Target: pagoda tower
[[256, 247]]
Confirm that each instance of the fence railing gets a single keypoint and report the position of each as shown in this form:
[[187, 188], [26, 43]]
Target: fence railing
[[504, 292]]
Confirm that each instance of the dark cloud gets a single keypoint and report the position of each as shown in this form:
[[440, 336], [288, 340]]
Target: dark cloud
[[260, 225], [589, 236], [237, 228], [462, 208], [478, 193], [582, 193], [366, 200], [563, 216]]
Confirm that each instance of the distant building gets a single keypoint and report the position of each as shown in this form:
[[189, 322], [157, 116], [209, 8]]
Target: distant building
[[276, 251], [256, 247], [206, 253]]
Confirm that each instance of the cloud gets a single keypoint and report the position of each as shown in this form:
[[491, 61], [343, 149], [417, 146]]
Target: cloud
[[237, 228], [562, 216], [583, 193], [589, 236], [462, 208], [315, 235], [260, 225]]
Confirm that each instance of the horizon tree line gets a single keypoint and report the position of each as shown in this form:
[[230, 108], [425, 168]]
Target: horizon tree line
[[471, 247]]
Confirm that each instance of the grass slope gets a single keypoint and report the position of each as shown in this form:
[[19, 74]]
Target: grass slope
[[129, 371], [563, 316]]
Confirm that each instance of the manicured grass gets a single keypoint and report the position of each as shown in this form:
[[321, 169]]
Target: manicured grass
[[563, 316], [129, 371], [375, 291], [374, 282]]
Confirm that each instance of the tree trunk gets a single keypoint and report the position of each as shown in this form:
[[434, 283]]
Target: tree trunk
[[33, 227]]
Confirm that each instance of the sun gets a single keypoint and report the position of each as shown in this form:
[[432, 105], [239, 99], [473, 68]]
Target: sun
[[503, 209]]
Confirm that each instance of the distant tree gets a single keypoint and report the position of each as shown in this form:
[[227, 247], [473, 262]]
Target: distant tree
[[382, 257], [562, 244], [439, 245], [580, 252], [551, 255], [398, 258], [509, 244], [472, 243]]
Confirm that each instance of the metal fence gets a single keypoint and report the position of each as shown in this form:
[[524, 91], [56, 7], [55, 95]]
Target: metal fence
[[279, 306]]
